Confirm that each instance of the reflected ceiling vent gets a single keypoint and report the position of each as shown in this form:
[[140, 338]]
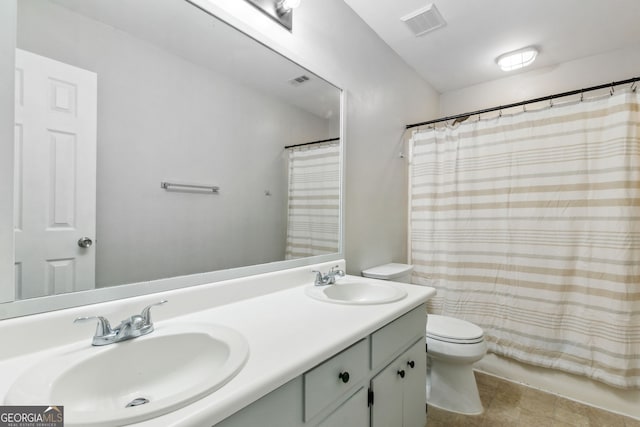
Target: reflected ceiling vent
[[299, 80], [424, 20]]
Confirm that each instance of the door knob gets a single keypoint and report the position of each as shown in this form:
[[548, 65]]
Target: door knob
[[85, 242]]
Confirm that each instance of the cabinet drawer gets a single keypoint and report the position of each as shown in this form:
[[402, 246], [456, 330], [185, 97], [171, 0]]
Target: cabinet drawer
[[324, 384], [393, 339]]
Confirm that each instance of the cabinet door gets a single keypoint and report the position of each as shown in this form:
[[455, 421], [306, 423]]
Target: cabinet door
[[386, 410], [414, 363], [353, 413], [399, 390]]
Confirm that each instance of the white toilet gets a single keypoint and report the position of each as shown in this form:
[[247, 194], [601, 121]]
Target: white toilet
[[453, 346]]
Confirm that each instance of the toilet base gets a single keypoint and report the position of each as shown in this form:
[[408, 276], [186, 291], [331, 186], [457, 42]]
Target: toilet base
[[452, 387]]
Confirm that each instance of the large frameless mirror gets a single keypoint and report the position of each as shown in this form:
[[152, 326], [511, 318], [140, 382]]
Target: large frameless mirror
[[150, 145]]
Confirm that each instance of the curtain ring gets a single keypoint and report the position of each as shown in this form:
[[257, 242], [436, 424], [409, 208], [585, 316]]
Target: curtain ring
[[524, 108], [551, 103], [500, 113], [612, 90], [582, 95], [634, 86]]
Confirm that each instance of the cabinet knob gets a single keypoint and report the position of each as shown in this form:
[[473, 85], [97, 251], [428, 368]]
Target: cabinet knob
[[344, 376], [411, 364], [401, 373]]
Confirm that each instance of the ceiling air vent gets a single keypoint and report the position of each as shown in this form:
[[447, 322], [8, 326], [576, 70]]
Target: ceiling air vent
[[299, 80], [424, 20]]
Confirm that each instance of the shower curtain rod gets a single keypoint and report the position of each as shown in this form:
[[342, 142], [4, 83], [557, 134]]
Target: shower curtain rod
[[530, 101], [312, 142]]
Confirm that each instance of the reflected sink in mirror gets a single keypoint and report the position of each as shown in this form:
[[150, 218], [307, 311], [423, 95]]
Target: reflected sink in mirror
[[134, 380], [358, 292]]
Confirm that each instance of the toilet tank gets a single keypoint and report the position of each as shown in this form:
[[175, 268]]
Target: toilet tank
[[392, 271]]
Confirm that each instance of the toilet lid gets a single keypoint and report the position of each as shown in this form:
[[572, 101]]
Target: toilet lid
[[450, 329], [388, 271]]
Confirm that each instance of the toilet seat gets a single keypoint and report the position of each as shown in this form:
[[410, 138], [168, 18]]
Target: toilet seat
[[452, 330]]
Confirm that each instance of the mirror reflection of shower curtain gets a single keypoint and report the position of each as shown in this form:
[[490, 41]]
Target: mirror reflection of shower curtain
[[529, 226], [313, 212]]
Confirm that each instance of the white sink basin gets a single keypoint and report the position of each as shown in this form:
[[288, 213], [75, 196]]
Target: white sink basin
[[359, 292], [170, 368]]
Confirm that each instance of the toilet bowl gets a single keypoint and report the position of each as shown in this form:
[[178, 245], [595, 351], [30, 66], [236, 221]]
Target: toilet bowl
[[453, 346]]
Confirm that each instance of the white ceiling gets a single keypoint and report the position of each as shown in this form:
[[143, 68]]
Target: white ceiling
[[463, 52]]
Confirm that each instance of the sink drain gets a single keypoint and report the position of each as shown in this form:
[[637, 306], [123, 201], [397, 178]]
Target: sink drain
[[137, 402]]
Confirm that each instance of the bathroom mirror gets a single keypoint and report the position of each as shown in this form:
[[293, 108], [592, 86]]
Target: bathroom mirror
[[150, 153]]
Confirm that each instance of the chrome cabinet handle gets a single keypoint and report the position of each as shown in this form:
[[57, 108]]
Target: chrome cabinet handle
[[85, 242]]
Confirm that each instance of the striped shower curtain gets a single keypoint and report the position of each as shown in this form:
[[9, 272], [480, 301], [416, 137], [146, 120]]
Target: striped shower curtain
[[529, 226], [313, 214]]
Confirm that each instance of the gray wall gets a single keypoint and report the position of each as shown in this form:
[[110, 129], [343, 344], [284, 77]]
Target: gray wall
[[7, 72], [383, 95], [169, 119]]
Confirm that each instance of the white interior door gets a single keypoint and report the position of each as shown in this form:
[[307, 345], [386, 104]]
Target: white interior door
[[55, 176]]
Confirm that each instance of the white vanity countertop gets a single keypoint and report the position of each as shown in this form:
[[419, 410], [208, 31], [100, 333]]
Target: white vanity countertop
[[288, 333]]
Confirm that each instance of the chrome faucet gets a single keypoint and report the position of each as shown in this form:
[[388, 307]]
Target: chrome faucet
[[133, 327], [329, 278]]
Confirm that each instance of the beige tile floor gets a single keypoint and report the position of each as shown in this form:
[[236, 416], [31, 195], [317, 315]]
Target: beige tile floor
[[514, 405]]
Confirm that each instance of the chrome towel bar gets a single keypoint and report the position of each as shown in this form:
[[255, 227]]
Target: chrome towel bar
[[176, 186]]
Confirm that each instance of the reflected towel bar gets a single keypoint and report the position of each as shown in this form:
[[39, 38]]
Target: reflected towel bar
[[182, 186]]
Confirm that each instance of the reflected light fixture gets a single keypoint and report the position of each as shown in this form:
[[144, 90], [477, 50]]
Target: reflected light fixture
[[280, 11], [517, 59]]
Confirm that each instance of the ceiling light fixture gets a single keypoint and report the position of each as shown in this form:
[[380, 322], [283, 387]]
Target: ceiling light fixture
[[285, 6], [517, 59], [280, 11]]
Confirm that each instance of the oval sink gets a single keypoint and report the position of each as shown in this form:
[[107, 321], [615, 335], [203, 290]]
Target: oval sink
[[357, 292], [134, 380]]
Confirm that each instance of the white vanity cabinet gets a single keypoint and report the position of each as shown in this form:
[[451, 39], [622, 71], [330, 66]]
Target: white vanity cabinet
[[358, 387]]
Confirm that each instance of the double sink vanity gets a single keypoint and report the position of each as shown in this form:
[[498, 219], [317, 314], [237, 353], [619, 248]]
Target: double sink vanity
[[277, 351]]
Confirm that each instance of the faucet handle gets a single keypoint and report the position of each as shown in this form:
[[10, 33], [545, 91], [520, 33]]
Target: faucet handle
[[320, 278], [103, 328], [335, 271], [146, 312]]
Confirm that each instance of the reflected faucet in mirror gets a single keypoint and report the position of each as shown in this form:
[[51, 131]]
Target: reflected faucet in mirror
[[133, 327]]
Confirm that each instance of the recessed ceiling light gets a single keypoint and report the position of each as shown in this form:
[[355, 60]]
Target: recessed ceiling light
[[517, 59]]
